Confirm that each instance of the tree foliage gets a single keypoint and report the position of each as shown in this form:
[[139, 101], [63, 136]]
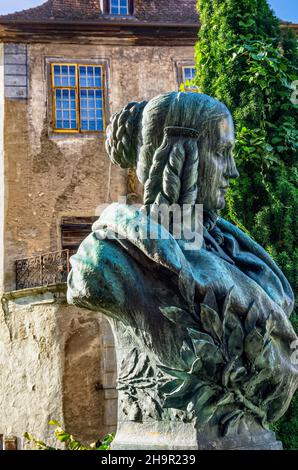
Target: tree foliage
[[244, 59]]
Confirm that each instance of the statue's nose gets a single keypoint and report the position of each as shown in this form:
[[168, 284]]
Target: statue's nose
[[231, 169]]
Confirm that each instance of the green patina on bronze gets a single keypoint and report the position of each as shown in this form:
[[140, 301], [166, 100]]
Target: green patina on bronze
[[203, 336]]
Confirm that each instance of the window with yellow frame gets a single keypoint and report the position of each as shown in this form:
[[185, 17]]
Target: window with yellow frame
[[78, 97], [188, 75]]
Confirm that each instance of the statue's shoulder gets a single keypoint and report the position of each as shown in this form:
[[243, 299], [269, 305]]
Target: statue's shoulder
[[97, 272]]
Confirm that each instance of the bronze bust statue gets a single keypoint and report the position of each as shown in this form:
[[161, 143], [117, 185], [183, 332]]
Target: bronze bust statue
[[203, 336]]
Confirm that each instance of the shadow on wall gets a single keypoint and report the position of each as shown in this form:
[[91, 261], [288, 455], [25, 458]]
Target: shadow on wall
[[83, 393]]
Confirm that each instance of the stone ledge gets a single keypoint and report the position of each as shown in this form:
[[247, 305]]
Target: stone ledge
[[34, 291]]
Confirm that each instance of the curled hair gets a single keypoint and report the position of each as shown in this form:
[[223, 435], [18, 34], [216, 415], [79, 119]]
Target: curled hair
[[173, 175], [122, 135]]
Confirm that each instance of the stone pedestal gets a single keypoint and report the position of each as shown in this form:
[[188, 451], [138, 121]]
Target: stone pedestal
[[184, 436]]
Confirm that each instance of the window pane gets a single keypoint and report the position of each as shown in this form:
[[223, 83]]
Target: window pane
[[91, 102], [99, 125], [119, 7], [98, 77], [189, 73], [91, 110], [57, 80], [72, 80], [83, 104], [65, 81], [65, 109]]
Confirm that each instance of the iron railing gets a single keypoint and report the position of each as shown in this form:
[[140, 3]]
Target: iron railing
[[43, 270]]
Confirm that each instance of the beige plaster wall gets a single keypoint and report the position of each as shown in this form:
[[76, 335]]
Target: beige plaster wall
[[49, 176], [56, 362], [2, 186]]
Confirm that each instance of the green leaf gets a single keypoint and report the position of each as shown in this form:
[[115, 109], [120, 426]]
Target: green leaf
[[170, 386], [211, 322], [62, 435], [210, 299], [225, 399], [251, 318], [238, 375], [180, 398], [208, 352], [253, 345], [180, 374], [53, 422], [175, 314], [198, 336], [233, 335], [187, 355], [204, 412], [253, 388], [231, 421], [227, 301]]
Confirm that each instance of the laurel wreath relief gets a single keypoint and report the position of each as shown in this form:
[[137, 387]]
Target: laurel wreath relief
[[232, 367]]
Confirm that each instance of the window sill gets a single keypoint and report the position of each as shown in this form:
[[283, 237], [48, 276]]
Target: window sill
[[76, 135], [121, 17]]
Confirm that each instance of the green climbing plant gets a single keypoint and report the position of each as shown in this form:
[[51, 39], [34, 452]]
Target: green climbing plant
[[69, 441]]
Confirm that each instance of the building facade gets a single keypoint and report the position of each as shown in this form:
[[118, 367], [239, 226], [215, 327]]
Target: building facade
[[65, 67]]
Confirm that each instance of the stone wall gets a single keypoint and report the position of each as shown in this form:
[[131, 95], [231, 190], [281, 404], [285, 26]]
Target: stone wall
[[49, 175], [2, 186], [56, 362]]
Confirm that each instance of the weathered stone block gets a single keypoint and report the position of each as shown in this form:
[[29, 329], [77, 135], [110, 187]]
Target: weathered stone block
[[10, 443], [109, 360], [15, 92], [15, 59], [111, 394], [15, 80], [15, 48], [109, 380], [15, 69]]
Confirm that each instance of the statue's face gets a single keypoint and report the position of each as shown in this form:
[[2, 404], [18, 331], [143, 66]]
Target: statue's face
[[217, 165]]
